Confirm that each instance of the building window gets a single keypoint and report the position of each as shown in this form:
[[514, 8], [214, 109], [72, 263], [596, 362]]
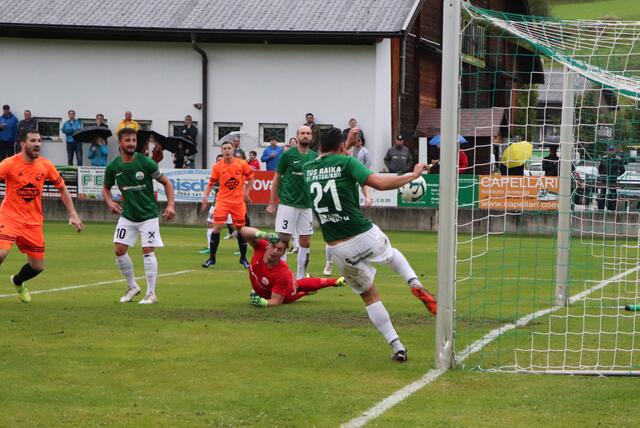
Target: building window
[[49, 128], [89, 122], [270, 130], [324, 127], [145, 124], [176, 127], [221, 129], [474, 43]]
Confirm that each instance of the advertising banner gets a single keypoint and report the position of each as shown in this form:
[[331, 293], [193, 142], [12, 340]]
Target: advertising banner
[[518, 193], [70, 176], [467, 192]]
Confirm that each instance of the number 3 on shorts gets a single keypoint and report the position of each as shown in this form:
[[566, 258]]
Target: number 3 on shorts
[[285, 224]]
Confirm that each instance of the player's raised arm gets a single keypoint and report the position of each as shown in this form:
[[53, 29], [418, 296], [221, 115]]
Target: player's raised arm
[[252, 235], [390, 182], [170, 210]]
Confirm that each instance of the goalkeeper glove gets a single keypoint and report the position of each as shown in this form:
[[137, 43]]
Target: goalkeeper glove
[[256, 300], [272, 237]]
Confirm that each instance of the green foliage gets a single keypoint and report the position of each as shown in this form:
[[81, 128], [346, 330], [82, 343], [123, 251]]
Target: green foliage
[[539, 7], [626, 10], [525, 114]]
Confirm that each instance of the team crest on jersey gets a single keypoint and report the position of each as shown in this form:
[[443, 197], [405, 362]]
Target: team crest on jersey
[[139, 175], [265, 281], [28, 192], [39, 176], [231, 183]]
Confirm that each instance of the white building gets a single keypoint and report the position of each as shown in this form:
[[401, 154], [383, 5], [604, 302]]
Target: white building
[[267, 64]]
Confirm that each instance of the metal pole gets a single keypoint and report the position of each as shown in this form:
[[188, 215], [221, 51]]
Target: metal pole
[[447, 213], [564, 198]]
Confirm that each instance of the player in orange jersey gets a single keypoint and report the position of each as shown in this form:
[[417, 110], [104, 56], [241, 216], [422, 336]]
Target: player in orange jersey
[[21, 216], [235, 177]]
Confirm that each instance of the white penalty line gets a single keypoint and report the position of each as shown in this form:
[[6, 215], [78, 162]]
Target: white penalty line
[[95, 284], [476, 346]]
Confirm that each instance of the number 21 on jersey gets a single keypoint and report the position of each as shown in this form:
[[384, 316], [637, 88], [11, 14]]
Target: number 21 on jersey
[[317, 191]]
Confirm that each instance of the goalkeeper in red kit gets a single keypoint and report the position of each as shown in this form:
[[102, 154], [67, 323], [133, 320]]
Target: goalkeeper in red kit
[[272, 280]]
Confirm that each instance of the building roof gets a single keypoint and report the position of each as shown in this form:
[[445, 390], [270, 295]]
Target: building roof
[[477, 122], [209, 17]]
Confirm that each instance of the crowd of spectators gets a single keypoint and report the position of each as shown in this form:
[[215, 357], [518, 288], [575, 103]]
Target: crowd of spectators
[[398, 158]]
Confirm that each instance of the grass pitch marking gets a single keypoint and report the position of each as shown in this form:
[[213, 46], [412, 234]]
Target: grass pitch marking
[[95, 284], [476, 346]]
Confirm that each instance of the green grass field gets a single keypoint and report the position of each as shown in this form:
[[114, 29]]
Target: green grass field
[[203, 357], [626, 10]]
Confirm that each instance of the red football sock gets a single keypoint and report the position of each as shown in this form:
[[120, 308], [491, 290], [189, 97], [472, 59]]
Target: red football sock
[[315, 284]]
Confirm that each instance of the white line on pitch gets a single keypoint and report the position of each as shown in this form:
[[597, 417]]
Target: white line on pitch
[[476, 346], [95, 284]]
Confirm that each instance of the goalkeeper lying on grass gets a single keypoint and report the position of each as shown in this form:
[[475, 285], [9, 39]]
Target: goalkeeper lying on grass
[[272, 280]]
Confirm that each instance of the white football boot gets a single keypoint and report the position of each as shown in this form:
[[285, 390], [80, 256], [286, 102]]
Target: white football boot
[[130, 294]]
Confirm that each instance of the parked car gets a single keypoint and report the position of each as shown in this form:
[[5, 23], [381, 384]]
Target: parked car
[[534, 170], [586, 179], [629, 181]]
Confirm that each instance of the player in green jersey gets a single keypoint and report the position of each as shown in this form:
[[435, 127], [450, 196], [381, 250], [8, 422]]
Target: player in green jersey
[[134, 174], [354, 242], [294, 215]]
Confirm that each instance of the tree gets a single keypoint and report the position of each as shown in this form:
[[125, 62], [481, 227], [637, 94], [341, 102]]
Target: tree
[[525, 114], [539, 8]]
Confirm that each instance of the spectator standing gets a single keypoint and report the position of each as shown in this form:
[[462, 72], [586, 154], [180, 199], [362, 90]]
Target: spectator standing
[[128, 122], [271, 155], [353, 123], [293, 142], [190, 132], [180, 156], [237, 151], [610, 168], [315, 131], [98, 151], [360, 152], [28, 123], [550, 162], [8, 132], [398, 157], [253, 161], [69, 128]]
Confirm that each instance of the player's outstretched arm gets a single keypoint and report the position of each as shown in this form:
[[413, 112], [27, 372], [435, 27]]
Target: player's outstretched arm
[[252, 235], [260, 302], [273, 197], [390, 182], [170, 211], [74, 219]]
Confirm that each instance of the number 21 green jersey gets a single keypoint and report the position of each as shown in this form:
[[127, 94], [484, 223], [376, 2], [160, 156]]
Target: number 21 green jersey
[[332, 181]]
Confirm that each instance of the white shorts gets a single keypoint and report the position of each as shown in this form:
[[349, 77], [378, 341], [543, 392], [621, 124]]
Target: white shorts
[[294, 221], [210, 216], [127, 233], [355, 256]]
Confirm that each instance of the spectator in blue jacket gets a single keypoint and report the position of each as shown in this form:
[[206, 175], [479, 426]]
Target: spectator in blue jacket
[[8, 132], [69, 128], [271, 154]]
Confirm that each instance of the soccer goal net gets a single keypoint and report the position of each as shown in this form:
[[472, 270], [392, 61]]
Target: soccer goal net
[[548, 253]]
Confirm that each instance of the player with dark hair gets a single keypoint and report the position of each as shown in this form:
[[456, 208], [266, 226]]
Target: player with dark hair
[[235, 177], [354, 242], [293, 214], [134, 173], [271, 279], [21, 216]]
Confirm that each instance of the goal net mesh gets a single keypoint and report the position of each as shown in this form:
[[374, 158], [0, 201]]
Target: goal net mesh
[[516, 74]]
